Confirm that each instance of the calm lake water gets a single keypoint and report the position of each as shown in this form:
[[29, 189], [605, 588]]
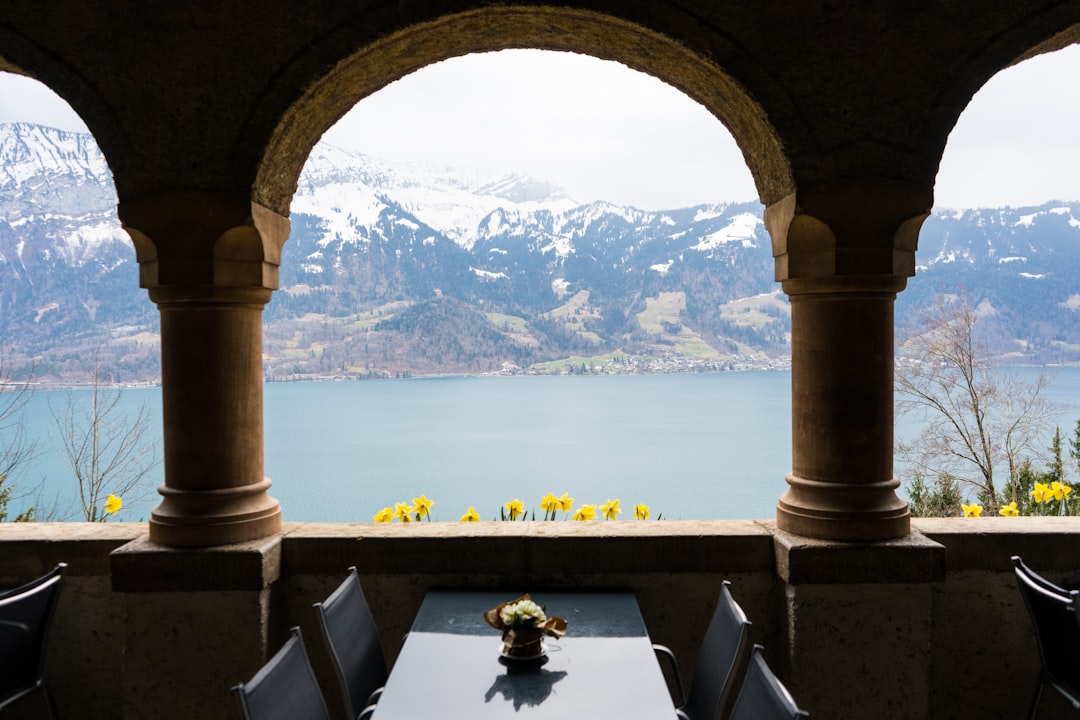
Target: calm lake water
[[690, 446]]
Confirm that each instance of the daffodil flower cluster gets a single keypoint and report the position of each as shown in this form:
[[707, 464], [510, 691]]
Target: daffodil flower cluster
[[420, 509], [515, 510], [1043, 494], [1054, 492], [523, 612]]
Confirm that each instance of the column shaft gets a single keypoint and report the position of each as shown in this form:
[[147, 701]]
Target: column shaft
[[842, 484], [211, 380]]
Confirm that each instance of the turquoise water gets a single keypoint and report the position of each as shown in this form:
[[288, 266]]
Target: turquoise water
[[689, 446]]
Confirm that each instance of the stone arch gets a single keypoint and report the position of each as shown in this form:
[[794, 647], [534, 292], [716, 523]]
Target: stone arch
[[1010, 49], [500, 28]]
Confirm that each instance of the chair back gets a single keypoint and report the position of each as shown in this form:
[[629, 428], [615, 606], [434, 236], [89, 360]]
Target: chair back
[[352, 641], [285, 687], [1057, 631], [25, 616], [1036, 578], [763, 696], [722, 655]]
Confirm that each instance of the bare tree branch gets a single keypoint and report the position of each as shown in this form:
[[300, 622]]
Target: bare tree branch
[[978, 420], [108, 451]]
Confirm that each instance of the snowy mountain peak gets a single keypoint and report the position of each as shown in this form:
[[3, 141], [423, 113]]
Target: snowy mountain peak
[[32, 153]]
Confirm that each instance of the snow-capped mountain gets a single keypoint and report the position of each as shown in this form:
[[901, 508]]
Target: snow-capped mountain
[[412, 268]]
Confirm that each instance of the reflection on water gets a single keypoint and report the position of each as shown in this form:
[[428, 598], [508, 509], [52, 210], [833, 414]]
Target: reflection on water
[[525, 683]]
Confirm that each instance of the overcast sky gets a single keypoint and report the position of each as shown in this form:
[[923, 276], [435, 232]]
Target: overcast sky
[[602, 131]]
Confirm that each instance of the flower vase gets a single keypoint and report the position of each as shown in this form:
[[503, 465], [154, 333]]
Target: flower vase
[[523, 643]]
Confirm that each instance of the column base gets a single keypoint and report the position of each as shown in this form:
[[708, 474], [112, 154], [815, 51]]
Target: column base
[[839, 511], [222, 516]]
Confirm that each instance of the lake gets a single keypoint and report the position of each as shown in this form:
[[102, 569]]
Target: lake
[[690, 446]]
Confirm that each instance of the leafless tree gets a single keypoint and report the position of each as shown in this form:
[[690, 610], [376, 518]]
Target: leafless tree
[[977, 418], [15, 448], [108, 450]]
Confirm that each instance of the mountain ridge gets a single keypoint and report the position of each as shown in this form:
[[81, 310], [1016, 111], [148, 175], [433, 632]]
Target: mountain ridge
[[526, 279]]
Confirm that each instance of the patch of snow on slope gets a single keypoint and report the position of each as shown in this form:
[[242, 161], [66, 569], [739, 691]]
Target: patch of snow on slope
[[83, 241], [487, 275], [741, 228], [1066, 210]]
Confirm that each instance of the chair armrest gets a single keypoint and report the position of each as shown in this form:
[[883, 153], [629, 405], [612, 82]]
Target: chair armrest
[[664, 651]]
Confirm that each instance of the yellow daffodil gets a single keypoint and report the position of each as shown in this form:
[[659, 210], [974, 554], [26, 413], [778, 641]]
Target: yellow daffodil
[[515, 509], [549, 503], [565, 503], [587, 512], [401, 512], [641, 512], [422, 507], [470, 516], [1059, 491], [113, 503], [610, 509], [385, 515], [1009, 510], [972, 510], [1041, 493]]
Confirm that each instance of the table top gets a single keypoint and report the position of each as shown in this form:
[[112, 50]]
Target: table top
[[450, 667]]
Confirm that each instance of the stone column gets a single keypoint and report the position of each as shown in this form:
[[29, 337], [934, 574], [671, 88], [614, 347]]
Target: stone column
[[210, 263], [842, 256]]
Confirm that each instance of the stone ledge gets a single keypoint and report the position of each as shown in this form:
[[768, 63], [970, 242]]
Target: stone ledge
[[28, 550], [805, 561], [565, 548], [988, 543], [143, 566]]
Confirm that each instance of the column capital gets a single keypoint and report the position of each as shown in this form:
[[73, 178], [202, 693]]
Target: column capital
[[195, 239], [866, 230]]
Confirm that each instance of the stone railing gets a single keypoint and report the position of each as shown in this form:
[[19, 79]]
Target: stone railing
[[925, 627]]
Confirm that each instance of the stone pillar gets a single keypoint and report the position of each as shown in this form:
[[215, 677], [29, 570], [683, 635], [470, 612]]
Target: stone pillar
[[210, 263], [196, 622], [842, 256]]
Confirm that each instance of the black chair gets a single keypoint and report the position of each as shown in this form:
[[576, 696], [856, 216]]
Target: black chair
[[763, 696], [722, 654], [285, 687], [1057, 633], [352, 641], [25, 615]]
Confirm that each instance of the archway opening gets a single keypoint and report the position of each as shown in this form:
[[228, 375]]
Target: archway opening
[[76, 325], [559, 244], [998, 258]]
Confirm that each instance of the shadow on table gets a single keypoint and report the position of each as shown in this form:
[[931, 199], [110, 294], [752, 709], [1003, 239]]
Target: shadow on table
[[527, 684]]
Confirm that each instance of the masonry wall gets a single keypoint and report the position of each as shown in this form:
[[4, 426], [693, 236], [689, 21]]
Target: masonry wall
[[928, 627]]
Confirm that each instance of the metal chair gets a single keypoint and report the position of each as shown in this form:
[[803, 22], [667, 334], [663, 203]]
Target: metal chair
[[25, 615], [352, 641], [1057, 633], [284, 688], [763, 696], [722, 654]]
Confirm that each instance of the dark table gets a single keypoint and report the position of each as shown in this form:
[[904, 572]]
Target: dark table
[[604, 667]]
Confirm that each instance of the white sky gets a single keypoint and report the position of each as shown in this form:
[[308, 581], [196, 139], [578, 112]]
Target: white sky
[[603, 131]]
